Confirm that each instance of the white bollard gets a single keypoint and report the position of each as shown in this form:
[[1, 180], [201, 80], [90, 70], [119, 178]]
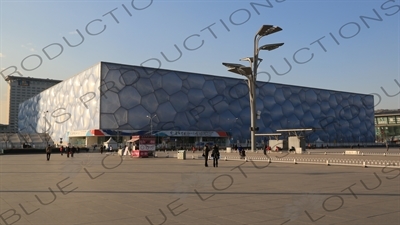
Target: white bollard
[[364, 164], [327, 162], [294, 161], [226, 159]]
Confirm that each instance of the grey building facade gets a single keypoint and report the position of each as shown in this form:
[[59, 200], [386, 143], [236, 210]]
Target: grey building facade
[[21, 89], [111, 97]]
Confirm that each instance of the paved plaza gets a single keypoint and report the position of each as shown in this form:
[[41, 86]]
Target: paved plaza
[[91, 188]]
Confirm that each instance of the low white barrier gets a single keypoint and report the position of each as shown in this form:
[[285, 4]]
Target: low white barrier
[[304, 160], [355, 153], [352, 152], [320, 161]]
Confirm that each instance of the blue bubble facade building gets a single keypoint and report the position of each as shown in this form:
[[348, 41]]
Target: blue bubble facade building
[[112, 99]]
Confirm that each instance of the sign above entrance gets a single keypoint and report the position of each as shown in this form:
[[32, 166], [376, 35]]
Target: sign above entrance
[[79, 133], [174, 133]]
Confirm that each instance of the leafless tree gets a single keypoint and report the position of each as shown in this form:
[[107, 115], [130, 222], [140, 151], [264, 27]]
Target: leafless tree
[[25, 137], [6, 139]]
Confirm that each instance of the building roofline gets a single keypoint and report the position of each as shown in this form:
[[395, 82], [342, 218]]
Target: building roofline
[[8, 78], [387, 112], [236, 78]]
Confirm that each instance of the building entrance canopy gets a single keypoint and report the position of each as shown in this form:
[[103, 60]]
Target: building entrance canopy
[[296, 132], [134, 138], [166, 133]]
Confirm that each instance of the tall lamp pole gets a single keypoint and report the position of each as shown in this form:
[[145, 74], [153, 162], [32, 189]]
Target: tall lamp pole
[[251, 73], [231, 131], [45, 127], [151, 123]]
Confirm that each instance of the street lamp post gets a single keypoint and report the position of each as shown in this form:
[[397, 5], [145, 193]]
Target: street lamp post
[[231, 129], [151, 123], [45, 127], [251, 73], [118, 144]]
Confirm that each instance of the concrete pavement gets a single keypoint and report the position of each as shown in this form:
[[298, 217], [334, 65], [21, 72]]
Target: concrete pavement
[[97, 189]]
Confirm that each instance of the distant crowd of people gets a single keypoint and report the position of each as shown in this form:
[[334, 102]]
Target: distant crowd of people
[[214, 154], [70, 151]]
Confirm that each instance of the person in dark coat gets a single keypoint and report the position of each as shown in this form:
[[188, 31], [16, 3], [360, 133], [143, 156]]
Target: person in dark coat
[[242, 154], [206, 152], [48, 152], [73, 150], [62, 150], [68, 150], [215, 155], [240, 149]]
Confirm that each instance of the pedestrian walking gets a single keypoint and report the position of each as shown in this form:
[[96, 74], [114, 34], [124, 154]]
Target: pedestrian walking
[[243, 154], [215, 155], [126, 152], [73, 150], [101, 149], [206, 151], [387, 146], [265, 149], [48, 152], [68, 150], [62, 150]]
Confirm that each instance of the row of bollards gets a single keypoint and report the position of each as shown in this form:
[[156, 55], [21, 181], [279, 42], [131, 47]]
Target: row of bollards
[[328, 162]]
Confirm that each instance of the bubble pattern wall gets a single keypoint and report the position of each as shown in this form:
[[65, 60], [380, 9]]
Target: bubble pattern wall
[[123, 97], [71, 105], [198, 102]]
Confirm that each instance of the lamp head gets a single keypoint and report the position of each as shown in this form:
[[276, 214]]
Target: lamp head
[[244, 71], [232, 65], [251, 59], [268, 29], [270, 47]]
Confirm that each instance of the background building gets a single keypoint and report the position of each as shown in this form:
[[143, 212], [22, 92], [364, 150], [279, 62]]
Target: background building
[[111, 99], [19, 90], [387, 125]]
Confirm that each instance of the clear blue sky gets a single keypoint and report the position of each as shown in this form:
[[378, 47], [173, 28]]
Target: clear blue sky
[[366, 59]]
